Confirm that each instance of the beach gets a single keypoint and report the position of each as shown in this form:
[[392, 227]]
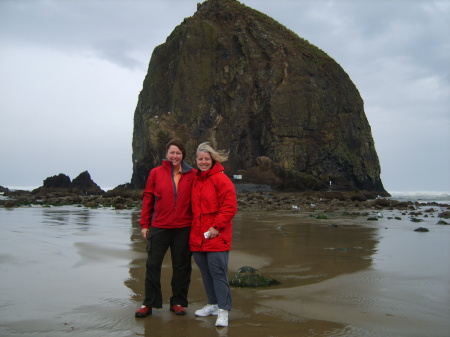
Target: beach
[[79, 271]]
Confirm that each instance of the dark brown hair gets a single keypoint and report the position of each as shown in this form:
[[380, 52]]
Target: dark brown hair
[[178, 144]]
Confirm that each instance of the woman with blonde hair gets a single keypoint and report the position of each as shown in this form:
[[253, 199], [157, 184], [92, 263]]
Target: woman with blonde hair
[[213, 206]]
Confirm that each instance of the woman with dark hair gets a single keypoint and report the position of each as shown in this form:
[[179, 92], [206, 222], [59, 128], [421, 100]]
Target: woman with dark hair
[[166, 219], [214, 206]]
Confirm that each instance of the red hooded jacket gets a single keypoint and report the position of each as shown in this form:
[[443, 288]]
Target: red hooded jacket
[[163, 205], [214, 204]]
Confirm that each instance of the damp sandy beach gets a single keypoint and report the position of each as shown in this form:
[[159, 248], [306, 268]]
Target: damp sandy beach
[[73, 271]]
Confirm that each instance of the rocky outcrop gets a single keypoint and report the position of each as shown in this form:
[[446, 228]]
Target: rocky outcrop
[[85, 183], [58, 181], [287, 112], [4, 189], [250, 198], [82, 184]]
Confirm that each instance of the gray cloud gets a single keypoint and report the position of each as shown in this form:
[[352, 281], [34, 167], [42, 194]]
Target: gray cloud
[[80, 64], [118, 31]]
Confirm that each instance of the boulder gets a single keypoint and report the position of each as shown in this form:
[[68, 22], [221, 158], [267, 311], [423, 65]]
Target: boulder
[[250, 277]]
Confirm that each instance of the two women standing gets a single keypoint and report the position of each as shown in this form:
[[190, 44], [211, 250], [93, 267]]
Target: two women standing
[[166, 220]]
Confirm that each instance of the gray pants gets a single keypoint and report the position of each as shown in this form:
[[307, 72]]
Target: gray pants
[[214, 269]]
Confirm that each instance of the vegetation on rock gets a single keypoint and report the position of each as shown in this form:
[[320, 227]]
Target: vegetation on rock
[[250, 277]]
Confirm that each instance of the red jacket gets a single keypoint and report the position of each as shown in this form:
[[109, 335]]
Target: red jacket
[[162, 205], [213, 205]]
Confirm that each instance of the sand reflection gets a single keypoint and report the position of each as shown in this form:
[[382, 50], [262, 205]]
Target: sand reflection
[[293, 249]]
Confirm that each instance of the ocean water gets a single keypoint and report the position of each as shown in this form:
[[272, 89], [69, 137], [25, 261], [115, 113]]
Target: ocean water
[[79, 272], [422, 196]]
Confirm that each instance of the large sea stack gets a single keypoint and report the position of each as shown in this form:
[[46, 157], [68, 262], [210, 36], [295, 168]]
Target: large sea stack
[[287, 112]]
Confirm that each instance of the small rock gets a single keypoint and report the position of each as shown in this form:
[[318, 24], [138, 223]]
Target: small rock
[[10, 204], [90, 204], [250, 277], [445, 215]]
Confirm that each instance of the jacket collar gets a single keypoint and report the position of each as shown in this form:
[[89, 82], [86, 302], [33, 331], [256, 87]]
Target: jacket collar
[[185, 167], [218, 167]]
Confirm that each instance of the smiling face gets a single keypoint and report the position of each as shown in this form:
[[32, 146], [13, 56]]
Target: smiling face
[[175, 155], [204, 161]]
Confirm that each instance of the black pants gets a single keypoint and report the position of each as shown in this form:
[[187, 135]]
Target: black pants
[[159, 241]]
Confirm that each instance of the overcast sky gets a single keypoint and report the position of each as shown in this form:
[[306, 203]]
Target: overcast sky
[[71, 72]]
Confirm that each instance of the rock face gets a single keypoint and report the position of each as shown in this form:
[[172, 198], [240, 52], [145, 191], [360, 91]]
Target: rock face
[[287, 112]]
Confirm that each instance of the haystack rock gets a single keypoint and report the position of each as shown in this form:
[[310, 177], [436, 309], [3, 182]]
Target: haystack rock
[[287, 112]]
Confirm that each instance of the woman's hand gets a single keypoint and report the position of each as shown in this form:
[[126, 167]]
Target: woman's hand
[[213, 233], [144, 232]]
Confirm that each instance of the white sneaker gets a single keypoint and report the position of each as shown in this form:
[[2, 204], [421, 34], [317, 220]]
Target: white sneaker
[[222, 318], [209, 309]]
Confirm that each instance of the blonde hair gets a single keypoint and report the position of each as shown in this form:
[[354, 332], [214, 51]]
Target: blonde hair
[[217, 156]]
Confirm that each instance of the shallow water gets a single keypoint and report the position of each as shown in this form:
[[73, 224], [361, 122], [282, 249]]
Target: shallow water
[[422, 197], [79, 272]]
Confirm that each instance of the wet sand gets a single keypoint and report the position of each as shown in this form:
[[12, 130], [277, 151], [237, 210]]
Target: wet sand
[[79, 272]]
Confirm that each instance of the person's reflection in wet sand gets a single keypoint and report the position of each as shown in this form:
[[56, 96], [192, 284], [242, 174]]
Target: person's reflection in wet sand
[[304, 252]]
